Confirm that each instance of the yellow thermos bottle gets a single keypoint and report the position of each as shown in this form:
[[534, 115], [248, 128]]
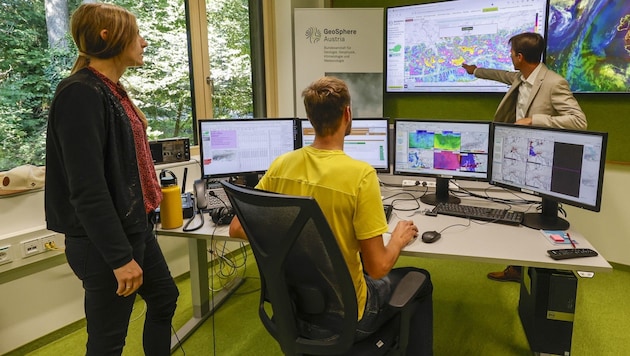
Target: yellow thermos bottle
[[171, 215]]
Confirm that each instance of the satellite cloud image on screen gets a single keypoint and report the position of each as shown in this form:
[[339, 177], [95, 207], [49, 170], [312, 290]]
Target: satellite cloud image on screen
[[589, 44]]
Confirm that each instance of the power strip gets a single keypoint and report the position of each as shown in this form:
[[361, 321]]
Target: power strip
[[425, 184], [419, 183]]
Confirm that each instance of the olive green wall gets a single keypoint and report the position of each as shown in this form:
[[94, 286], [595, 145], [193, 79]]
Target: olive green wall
[[604, 112]]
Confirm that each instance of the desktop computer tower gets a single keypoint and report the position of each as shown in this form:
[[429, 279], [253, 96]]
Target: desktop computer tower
[[547, 308]]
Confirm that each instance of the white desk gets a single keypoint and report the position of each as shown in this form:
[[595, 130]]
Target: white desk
[[479, 241], [513, 245], [202, 305], [492, 242]]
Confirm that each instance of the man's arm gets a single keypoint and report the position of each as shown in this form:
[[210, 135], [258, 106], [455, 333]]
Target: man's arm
[[378, 258], [498, 75], [569, 113], [236, 229]]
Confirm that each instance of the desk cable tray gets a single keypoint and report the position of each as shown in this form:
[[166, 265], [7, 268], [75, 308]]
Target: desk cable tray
[[502, 216]]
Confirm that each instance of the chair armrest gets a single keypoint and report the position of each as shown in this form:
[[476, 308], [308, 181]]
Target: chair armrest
[[408, 287]]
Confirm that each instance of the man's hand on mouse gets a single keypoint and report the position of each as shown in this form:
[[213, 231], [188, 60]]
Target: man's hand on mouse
[[405, 231]]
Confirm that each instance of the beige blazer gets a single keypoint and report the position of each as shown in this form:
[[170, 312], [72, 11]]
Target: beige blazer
[[551, 102]]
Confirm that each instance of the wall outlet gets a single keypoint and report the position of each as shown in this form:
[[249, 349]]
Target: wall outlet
[[5, 254], [32, 247], [49, 242]]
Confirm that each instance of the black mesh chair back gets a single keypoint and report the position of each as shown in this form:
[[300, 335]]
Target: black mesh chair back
[[307, 300], [303, 273]]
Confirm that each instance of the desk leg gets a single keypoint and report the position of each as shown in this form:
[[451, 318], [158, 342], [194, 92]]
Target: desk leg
[[198, 254], [200, 289]]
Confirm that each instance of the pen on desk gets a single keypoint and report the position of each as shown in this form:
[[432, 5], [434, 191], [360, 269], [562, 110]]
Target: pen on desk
[[570, 239]]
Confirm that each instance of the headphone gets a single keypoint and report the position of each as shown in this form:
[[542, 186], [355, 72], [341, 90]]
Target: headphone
[[222, 215]]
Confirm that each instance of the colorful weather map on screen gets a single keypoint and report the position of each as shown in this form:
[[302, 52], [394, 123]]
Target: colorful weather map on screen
[[427, 43], [588, 43], [448, 150]]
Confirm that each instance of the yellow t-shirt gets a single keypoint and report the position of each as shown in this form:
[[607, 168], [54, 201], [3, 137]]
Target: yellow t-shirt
[[347, 190]]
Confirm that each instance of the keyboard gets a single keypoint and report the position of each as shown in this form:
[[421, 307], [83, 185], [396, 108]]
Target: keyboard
[[566, 253], [217, 198], [388, 208], [502, 216]]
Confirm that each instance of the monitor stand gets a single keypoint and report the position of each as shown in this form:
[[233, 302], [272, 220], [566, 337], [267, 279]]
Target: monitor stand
[[250, 180], [548, 219], [441, 195]]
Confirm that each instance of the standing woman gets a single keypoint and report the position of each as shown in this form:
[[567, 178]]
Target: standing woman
[[101, 185]]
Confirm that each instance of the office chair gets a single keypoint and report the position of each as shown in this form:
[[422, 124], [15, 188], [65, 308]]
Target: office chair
[[305, 283]]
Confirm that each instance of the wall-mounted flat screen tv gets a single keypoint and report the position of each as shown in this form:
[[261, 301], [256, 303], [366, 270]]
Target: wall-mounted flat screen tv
[[589, 44], [426, 44]]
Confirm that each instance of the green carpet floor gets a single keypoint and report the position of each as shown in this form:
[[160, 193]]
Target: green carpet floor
[[473, 316]]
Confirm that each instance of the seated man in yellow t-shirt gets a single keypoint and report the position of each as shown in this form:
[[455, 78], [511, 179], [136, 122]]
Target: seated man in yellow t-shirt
[[347, 190]]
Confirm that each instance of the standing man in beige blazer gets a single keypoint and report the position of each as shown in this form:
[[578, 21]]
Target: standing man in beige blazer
[[537, 96]]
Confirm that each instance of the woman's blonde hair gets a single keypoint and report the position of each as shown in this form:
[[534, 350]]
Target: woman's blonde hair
[[87, 22]]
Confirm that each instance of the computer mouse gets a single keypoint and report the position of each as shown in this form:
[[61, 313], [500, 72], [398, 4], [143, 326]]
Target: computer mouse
[[430, 236]]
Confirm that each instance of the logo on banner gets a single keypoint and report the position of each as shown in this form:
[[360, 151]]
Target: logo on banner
[[313, 34]]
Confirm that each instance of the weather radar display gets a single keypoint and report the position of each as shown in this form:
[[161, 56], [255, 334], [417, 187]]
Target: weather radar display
[[427, 43]]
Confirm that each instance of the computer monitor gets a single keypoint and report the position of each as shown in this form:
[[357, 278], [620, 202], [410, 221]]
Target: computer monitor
[[427, 43], [243, 146], [368, 141], [588, 44], [442, 149], [558, 165]]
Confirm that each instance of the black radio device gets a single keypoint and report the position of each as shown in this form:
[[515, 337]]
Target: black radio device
[[187, 205], [170, 150]]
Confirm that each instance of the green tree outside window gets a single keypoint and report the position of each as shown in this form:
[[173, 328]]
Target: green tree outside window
[[36, 52]]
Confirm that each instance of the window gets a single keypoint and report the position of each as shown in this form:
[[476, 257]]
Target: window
[[230, 58], [36, 56]]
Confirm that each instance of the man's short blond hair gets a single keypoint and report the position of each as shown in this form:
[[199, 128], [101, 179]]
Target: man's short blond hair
[[325, 101]]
